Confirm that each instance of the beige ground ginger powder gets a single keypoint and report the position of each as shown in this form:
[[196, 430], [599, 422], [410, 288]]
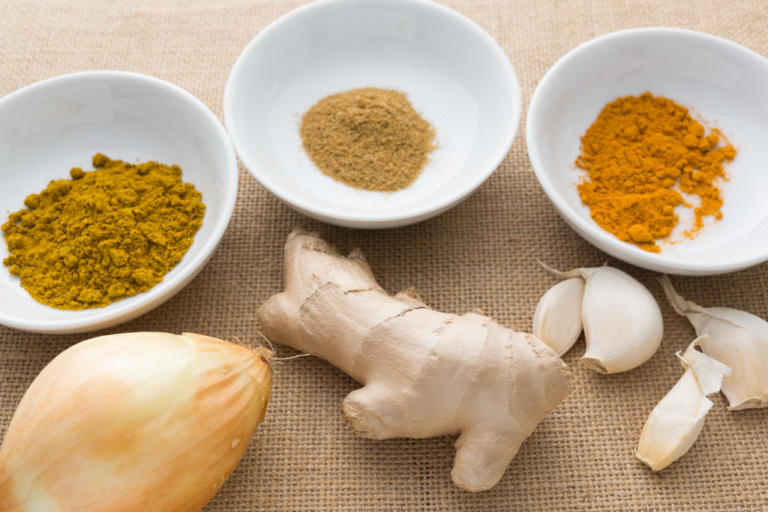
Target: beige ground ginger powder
[[368, 138]]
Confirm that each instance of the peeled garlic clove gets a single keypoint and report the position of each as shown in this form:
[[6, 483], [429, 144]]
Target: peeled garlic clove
[[622, 321], [738, 339], [676, 422], [129, 422], [557, 319]]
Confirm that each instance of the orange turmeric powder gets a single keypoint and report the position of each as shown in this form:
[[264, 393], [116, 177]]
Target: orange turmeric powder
[[639, 155]]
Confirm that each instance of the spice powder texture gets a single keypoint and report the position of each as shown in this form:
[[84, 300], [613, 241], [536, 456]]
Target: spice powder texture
[[103, 235], [368, 138], [638, 155]]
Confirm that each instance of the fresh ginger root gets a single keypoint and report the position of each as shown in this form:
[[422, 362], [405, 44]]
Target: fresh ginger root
[[424, 373]]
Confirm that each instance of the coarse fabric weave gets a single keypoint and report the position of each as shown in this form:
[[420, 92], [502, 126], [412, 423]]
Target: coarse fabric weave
[[480, 255]]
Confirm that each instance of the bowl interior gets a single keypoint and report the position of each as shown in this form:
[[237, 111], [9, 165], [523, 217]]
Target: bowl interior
[[453, 73], [51, 126], [724, 86]]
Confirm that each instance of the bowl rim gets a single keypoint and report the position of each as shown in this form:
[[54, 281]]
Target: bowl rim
[[593, 233], [415, 214], [119, 312]]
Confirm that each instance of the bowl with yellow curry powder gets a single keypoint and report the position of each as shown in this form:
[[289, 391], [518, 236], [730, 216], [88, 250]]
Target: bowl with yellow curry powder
[[117, 188], [651, 144], [372, 114]]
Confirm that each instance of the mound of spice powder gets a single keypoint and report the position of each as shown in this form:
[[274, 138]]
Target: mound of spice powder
[[368, 138], [103, 235], [638, 156]]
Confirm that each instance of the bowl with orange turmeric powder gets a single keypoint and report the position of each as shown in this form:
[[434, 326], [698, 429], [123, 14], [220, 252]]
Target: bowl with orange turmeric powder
[[652, 144], [116, 188]]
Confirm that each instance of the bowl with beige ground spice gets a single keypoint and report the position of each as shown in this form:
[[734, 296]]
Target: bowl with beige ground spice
[[391, 113], [651, 144], [116, 191]]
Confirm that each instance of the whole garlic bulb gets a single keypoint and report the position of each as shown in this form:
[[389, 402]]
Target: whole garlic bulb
[[137, 421]]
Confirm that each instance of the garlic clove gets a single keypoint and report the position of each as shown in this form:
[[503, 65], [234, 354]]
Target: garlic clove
[[557, 319], [622, 321], [738, 339], [674, 424], [676, 421]]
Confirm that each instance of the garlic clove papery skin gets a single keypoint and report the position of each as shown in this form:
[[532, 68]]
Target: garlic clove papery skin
[[676, 422], [622, 322], [557, 319], [738, 339], [136, 421]]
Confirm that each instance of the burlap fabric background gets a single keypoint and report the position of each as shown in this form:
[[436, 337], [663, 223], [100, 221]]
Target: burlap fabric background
[[479, 255]]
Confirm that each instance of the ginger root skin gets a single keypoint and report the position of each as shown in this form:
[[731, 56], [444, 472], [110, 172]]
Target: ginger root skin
[[424, 373]]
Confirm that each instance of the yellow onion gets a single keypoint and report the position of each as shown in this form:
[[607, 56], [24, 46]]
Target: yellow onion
[[133, 422]]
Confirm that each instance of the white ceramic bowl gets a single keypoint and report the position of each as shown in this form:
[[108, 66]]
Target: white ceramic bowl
[[722, 82], [53, 125], [453, 72]]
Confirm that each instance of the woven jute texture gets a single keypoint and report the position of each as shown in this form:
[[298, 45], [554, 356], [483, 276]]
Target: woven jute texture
[[480, 255]]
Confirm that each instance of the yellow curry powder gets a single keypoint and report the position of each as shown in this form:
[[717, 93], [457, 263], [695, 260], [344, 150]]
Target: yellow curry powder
[[639, 155], [368, 138], [103, 235]]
